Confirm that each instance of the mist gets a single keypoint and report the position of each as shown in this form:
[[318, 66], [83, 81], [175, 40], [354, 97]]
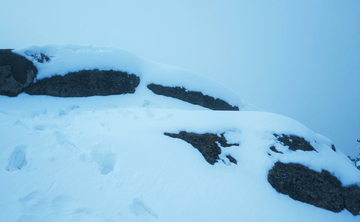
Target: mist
[[300, 59]]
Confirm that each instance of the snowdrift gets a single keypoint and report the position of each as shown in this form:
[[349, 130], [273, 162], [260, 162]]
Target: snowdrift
[[147, 156]]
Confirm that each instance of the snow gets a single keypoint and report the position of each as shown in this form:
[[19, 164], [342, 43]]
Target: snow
[[73, 58], [107, 158]]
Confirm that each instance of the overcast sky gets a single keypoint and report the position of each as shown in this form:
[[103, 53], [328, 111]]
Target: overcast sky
[[298, 58]]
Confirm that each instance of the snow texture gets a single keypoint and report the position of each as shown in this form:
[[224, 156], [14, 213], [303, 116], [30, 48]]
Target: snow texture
[[107, 158]]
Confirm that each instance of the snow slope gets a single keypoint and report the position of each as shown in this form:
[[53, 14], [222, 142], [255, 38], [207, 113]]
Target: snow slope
[[107, 158], [72, 58]]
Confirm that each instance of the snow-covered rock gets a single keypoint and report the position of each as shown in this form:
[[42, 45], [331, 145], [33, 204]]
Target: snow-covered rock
[[82, 71], [356, 161], [85, 83], [146, 157], [16, 73]]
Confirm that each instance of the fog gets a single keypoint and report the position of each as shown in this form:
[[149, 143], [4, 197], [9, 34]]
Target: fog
[[300, 59]]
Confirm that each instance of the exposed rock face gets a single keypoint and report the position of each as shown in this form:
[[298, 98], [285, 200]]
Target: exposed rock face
[[86, 83], [206, 144], [294, 142], [16, 73], [319, 189], [196, 98]]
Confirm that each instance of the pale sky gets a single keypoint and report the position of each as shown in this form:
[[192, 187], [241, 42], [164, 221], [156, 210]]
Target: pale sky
[[296, 58]]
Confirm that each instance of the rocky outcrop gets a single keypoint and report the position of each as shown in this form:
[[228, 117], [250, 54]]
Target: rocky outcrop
[[356, 161], [193, 97], [294, 142], [86, 83], [319, 189], [16, 73], [207, 144]]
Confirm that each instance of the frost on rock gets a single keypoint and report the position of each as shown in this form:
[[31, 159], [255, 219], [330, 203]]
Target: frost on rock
[[86, 83], [196, 98], [207, 144], [319, 189]]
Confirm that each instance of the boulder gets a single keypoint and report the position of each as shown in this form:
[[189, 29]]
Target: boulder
[[86, 83], [16, 73], [319, 189], [193, 97]]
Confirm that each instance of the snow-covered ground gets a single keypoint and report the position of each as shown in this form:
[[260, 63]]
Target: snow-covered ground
[[107, 158]]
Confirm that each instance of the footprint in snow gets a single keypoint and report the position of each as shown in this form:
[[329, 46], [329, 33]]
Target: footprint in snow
[[140, 209], [63, 112], [38, 206], [39, 127], [63, 140], [33, 204], [17, 159], [106, 161], [82, 214]]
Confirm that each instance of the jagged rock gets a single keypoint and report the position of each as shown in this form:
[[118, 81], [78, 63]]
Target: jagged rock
[[294, 142], [206, 144], [86, 83], [193, 97], [16, 73], [319, 189]]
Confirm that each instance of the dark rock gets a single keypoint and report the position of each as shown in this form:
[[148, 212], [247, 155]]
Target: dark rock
[[206, 144], [352, 199], [193, 97], [272, 148], [319, 189], [16, 73], [86, 83], [294, 142], [333, 147], [355, 161], [231, 159]]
